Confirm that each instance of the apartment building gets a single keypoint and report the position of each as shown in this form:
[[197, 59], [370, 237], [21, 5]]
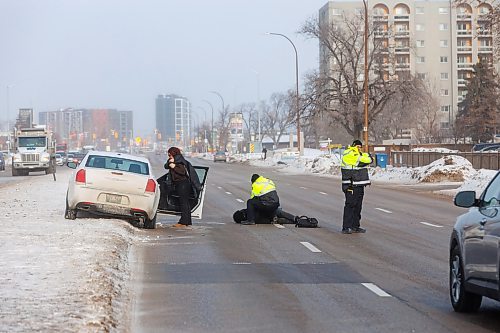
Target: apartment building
[[173, 119], [431, 39]]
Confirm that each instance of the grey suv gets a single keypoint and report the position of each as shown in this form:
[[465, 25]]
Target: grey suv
[[474, 249]]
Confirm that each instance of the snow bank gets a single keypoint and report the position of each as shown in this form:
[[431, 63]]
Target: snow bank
[[56, 274]]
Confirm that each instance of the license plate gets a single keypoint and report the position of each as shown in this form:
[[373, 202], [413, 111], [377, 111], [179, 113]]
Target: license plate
[[113, 198]]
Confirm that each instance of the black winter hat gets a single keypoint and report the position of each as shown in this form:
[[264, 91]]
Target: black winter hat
[[254, 177], [357, 143]]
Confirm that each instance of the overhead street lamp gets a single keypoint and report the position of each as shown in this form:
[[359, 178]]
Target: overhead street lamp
[[365, 128], [222, 99], [212, 126], [297, 85]]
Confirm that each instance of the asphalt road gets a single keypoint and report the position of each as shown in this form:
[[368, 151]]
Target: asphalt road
[[224, 277]]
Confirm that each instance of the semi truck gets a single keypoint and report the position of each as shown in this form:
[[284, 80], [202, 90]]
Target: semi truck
[[34, 150]]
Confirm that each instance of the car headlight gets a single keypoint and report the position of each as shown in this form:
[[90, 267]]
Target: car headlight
[[17, 158], [45, 158]]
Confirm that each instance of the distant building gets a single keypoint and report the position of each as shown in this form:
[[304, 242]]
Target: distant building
[[101, 128], [173, 119], [433, 39]]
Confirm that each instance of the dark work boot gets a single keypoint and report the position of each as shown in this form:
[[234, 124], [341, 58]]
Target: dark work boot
[[359, 230], [346, 230]]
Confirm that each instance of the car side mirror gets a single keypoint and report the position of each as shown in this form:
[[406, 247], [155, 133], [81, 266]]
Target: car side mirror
[[465, 199], [72, 165]]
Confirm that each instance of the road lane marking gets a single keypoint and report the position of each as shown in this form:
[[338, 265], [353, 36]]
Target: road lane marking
[[374, 288], [242, 263], [384, 210], [212, 223], [323, 193], [228, 193], [311, 247], [304, 188], [239, 200], [431, 225], [220, 188], [279, 226]]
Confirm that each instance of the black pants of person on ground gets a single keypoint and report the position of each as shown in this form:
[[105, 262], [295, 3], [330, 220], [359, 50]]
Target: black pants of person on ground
[[183, 189], [254, 205], [353, 205]]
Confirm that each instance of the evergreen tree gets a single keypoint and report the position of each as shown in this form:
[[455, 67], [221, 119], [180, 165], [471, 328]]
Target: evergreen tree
[[478, 112]]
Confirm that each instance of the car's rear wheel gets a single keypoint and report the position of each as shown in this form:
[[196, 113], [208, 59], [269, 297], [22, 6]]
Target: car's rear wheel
[[461, 300], [69, 214], [150, 223]]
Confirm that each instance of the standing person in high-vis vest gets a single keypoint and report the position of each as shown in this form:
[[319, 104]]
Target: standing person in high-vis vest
[[264, 198], [354, 179]]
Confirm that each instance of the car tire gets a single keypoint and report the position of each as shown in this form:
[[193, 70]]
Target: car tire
[[461, 300], [150, 224], [69, 214]]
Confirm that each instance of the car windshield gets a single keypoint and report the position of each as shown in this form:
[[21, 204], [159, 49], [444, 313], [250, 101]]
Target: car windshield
[[219, 153], [32, 142], [117, 163]]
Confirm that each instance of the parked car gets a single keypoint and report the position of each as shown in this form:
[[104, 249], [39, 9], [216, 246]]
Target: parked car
[[59, 159], [220, 156], [2, 161], [474, 249], [122, 185]]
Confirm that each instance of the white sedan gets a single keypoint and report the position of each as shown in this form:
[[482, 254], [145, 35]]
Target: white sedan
[[123, 185], [114, 184]]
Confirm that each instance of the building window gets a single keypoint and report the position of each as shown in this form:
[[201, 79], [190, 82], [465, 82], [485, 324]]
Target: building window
[[444, 76], [419, 27], [420, 43], [445, 125], [444, 92], [419, 10], [336, 11], [443, 43], [443, 10], [443, 59], [445, 108], [443, 26], [420, 60], [422, 76]]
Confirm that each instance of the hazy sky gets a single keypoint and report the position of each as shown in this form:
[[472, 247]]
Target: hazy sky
[[123, 53]]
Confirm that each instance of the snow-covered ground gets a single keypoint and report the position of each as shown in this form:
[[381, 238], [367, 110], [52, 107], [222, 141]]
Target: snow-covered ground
[[58, 275]]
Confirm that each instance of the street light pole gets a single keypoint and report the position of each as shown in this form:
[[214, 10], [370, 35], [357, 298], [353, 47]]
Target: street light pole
[[212, 126], [8, 118], [297, 85], [222, 99], [258, 102], [365, 128]]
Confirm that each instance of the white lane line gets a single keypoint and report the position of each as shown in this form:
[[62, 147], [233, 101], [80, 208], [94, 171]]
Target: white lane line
[[279, 226], [242, 263], [374, 288], [311, 247], [384, 210], [304, 188], [432, 225], [220, 188], [239, 200], [228, 193], [212, 223], [323, 193]]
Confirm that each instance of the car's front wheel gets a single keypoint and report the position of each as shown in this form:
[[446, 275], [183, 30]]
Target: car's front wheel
[[150, 224], [461, 300]]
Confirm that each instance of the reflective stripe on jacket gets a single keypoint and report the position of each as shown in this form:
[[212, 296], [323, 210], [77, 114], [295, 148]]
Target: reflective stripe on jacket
[[354, 167], [262, 186]]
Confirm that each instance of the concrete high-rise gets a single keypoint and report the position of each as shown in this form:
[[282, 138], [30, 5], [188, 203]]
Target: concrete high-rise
[[431, 39], [173, 119]]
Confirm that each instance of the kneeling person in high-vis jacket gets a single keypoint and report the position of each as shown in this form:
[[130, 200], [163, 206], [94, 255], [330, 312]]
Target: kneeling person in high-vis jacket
[[354, 179], [264, 198]]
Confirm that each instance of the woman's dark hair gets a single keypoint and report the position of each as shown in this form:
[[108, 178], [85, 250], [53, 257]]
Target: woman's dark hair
[[174, 151]]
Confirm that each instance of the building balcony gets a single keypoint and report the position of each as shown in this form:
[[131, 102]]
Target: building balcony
[[399, 18], [464, 49], [484, 33], [402, 49], [464, 66], [464, 17], [464, 33], [462, 82], [485, 49], [381, 34], [402, 34], [402, 66], [380, 18], [483, 17]]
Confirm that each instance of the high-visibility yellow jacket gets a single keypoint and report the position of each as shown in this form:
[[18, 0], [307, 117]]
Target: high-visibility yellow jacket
[[262, 186], [354, 167]]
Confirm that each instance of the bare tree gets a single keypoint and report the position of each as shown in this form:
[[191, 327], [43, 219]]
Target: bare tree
[[223, 127], [339, 90], [278, 115]]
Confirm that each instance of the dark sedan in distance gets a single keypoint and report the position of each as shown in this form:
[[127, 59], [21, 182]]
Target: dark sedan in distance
[[220, 156], [474, 249]]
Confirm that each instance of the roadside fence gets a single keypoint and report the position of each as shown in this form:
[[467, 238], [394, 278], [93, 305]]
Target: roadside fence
[[479, 160]]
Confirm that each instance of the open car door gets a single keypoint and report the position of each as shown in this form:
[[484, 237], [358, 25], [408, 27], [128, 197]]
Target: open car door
[[169, 200]]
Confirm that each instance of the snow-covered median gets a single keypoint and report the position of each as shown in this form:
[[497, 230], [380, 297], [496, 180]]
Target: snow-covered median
[[56, 274]]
